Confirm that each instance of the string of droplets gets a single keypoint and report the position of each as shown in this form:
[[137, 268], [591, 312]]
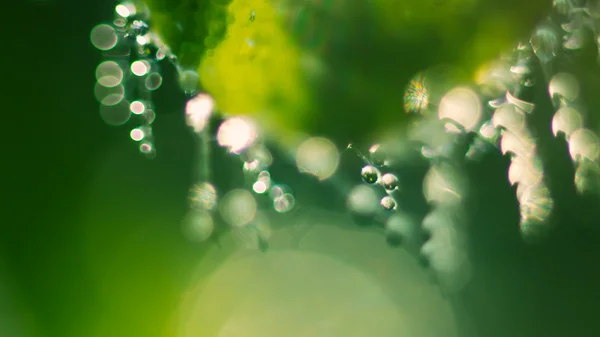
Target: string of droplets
[[502, 123], [129, 72]]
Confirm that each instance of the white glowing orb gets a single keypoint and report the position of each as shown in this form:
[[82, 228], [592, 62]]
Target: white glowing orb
[[236, 134]]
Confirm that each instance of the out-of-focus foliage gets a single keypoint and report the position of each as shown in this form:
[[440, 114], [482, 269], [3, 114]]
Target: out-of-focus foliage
[[304, 66]]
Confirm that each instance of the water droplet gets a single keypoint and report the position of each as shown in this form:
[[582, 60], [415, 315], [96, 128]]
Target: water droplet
[[388, 203], [389, 181], [137, 28], [203, 196], [109, 74], [153, 81], [117, 114], [369, 174], [284, 203], [545, 43], [104, 37], [188, 81], [377, 155], [197, 226]]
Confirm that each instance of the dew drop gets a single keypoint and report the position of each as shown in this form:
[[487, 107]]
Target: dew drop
[[389, 181], [104, 37], [188, 81], [545, 43], [377, 155], [388, 203], [369, 174]]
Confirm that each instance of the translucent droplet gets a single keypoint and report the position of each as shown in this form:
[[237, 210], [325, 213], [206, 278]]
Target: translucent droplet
[[189, 81], [137, 134], [509, 117], [109, 95], [370, 174], [318, 156], [117, 114], [238, 208], [362, 200], [109, 74], [153, 81], [284, 203], [564, 85], [397, 228], [377, 155], [461, 105], [545, 43], [584, 143], [197, 226], [198, 111], [236, 134], [137, 107], [566, 120], [104, 37], [416, 96], [125, 10], [203, 196], [140, 68], [137, 28], [147, 149], [388, 203], [389, 181]]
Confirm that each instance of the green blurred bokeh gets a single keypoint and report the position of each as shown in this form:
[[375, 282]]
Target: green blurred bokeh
[[90, 244]]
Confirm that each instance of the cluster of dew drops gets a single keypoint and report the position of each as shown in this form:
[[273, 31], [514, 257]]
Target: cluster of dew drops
[[491, 114], [126, 77]]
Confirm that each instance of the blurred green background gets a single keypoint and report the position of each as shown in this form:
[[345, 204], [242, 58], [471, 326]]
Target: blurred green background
[[90, 243]]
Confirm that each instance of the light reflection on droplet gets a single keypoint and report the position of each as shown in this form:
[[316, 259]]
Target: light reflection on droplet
[[545, 43], [370, 174], [509, 117], [566, 120], [536, 203], [104, 37], [188, 81], [137, 107], [238, 208], [362, 200], [565, 86], [389, 181], [461, 105], [142, 39], [388, 203], [259, 187], [147, 148], [584, 143], [284, 203], [153, 81], [109, 96], [519, 143], [442, 185], [137, 134], [198, 111], [109, 74], [125, 10], [416, 97], [525, 170], [203, 196], [117, 114], [318, 156], [149, 115], [140, 68], [236, 133], [197, 226]]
